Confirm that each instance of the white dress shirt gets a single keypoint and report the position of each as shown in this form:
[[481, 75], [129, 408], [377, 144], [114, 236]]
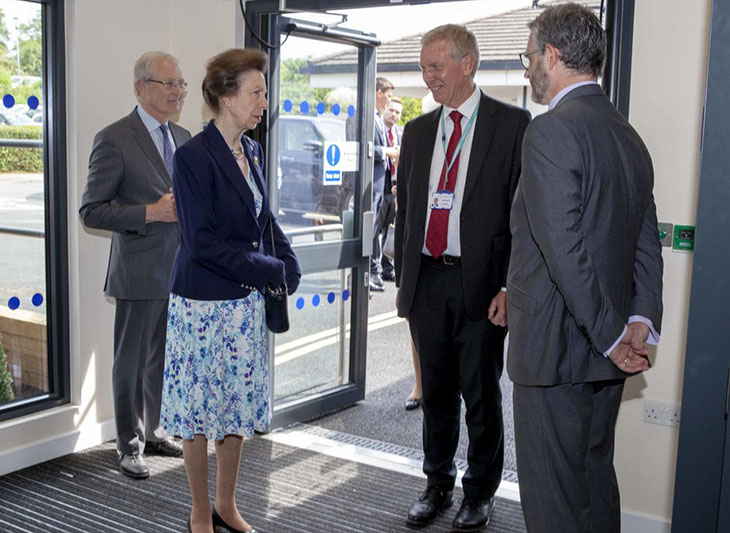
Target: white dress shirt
[[453, 244]]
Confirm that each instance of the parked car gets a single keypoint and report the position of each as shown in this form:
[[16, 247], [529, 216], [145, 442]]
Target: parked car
[[302, 193], [15, 119]]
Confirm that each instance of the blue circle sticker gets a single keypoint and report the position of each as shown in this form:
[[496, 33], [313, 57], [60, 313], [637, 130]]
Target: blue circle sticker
[[8, 101], [33, 102], [331, 297], [320, 107], [350, 110], [304, 107], [315, 300], [346, 294], [336, 109], [288, 105], [14, 302], [300, 302], [37, 299]]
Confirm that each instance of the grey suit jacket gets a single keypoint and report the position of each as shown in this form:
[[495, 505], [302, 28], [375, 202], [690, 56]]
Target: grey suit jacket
[[585, 245], [126, 173]]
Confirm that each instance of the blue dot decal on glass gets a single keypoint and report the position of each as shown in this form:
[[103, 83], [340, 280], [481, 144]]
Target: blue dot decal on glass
[[346, 294], [288, 105], [300, 302], [14, 303], [37, 299], [350, 110], [320, 107], [8, 101], [33, 102], [336, 109], [304, 107], [315, 300], [331, 297]]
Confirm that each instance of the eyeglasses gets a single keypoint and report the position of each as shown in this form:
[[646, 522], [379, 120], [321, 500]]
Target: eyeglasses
[[524, 57], [170, 84]]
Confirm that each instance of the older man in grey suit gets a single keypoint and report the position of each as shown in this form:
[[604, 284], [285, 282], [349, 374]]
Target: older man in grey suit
[[129, 192], [584, 283]]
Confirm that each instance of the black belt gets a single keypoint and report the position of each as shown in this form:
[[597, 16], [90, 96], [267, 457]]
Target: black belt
[[448, 260]]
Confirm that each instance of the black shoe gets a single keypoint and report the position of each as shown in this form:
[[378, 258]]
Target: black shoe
[[219, 522], [413, 403], [134, 466], [388, 276], [473, 514], [428, 506], [169, 448]]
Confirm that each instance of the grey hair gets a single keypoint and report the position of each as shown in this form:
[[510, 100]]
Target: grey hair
[[144, 66], [577, 34], [463, 42]]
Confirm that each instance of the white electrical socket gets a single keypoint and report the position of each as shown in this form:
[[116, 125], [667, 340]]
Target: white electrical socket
[[662, 413]]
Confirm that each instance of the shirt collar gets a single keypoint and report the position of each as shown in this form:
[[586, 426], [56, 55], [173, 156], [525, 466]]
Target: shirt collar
[[556, 99], [148, 120], [468, 106]]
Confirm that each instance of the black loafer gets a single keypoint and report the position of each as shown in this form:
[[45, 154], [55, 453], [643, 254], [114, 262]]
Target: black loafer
[[428, 506], [473, 514], [169, 448], [413, 403], [134, 466]]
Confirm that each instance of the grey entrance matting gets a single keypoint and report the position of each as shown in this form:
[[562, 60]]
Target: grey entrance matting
[[282, 489]]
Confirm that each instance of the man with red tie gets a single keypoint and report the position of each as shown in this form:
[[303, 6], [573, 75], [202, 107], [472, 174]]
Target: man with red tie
[[457, 175]]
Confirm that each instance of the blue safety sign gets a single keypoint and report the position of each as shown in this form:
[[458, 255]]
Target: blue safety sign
[[333, 155]]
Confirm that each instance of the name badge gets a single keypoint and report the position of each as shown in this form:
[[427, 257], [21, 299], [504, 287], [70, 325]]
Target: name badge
[[442, 200]]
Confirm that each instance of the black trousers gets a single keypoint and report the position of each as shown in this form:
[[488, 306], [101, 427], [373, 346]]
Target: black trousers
[[383, 219], [459, 357]]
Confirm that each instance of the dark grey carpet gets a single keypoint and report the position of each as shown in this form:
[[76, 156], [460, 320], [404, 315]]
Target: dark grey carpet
[[381, 416], [281, 490]]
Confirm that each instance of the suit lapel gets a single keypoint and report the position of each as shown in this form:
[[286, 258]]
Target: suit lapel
[[256, 167], [481, 139], [144, 139], [227, 163], [422, 166]]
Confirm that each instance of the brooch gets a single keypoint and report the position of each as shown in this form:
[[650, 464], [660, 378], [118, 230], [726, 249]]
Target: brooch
[[256, 160]]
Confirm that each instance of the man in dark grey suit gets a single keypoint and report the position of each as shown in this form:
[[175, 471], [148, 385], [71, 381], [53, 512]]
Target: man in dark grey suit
[[585, 279], [129, 192], [452, 246]]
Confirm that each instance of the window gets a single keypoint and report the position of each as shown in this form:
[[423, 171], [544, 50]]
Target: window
[[33, 276]]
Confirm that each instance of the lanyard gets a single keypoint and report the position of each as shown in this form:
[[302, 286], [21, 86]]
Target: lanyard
[[469, 124]]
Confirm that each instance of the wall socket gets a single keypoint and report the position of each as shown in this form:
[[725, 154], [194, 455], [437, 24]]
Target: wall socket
[[662, 413]]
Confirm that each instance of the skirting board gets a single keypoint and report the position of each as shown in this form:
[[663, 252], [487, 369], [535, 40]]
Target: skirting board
[[634, 522], [57, 446]]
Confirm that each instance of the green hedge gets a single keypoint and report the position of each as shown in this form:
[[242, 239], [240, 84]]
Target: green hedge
[[6, 380], [21, 159]]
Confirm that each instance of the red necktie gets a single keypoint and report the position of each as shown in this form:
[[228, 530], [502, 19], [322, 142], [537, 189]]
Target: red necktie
[[390, 143], [438, 224]]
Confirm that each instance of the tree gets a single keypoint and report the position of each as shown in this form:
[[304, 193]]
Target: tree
[[31, 55], [411, 109], [6, 380], [5, 61]]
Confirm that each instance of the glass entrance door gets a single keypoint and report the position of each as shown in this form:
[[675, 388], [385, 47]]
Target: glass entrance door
[[319, 177]]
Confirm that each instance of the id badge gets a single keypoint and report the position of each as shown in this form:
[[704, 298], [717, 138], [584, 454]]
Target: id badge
[[442, 200]]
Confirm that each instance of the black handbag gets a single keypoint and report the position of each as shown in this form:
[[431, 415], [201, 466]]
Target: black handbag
[[277, 311]]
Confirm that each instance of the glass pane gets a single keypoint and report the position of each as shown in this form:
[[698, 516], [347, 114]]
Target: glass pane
[[313, 356], [317, 181], [23, 356]]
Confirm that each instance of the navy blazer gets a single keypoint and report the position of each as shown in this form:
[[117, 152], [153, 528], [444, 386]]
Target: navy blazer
[[225, 249]]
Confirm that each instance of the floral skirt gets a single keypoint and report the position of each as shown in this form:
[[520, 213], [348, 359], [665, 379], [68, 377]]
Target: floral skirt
[[216, 368]]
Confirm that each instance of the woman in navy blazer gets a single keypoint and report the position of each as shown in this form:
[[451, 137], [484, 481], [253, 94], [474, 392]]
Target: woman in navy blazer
[[216, 361]]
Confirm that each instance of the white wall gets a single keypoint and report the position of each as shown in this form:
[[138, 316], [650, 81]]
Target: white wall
[[104, 38], [667, 94]]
